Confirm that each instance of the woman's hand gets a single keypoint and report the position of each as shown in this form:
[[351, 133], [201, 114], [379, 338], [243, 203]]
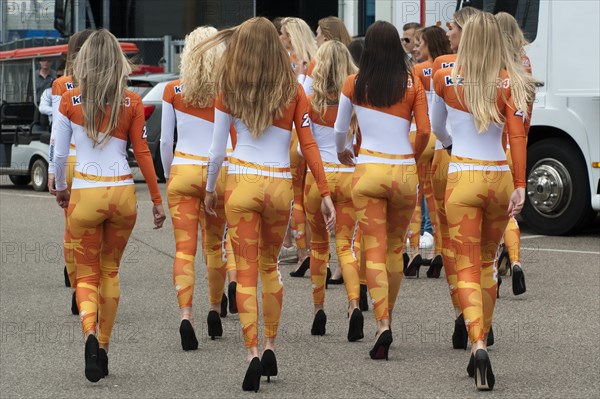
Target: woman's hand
[[300, 67], [517, 200], [210, 203], [346, 157], [159, 216], [51, 184], [328, 211], [62, 198]]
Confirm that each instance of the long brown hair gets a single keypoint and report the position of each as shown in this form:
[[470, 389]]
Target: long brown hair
[[436, 40], [333, 28], [254, 73], [75, 43], [383, 67]]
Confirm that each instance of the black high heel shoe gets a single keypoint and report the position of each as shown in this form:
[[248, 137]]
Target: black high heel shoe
[[318, 326], [231, 293], [382, 346], [74, 308], [436, 267], [503, 263], [471, 366], [490, 338], [269, 364], [223, 306], [405, 260], [363, 302], [215, 328], [252, 377], [67, 281], [484, 376], [103, 361], [460, 335], [93, 372], [498, 288], [355, 329], [327, 277], [518, 280], [301, 271], [189, 342], [413, 268]]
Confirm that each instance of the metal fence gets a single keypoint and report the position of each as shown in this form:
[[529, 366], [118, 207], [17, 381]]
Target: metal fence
[[160, 51]]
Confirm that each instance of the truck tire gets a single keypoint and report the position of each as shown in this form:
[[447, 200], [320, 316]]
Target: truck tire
[[39, 175], [558, 194], [19, 180]]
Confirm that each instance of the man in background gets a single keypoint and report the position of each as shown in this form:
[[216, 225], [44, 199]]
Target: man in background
[[408, 40]]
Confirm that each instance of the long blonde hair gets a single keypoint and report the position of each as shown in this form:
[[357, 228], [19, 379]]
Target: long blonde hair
[[481, 55], [198, 73], [461, 17], [101, 69], [513, 35], [303, 41], [333, 28], [254, 73], [334, 65]]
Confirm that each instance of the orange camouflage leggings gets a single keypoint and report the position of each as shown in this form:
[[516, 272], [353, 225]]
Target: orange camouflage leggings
[[298, 169], [67, 247], [512, 235], [100, 221], [258, 213], [340, 188], [477, 197], [185, 196], [439, 171], [384, 197]]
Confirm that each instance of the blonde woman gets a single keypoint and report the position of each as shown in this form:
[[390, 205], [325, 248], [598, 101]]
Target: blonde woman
[[334, 65], [188, 105], [481, 193], [384, 96], [510, 256], [259, 95], [101, 114]]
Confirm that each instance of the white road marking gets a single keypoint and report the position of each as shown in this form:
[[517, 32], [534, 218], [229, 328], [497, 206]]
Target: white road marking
[[570, 251], [29, 195], [531, 237]]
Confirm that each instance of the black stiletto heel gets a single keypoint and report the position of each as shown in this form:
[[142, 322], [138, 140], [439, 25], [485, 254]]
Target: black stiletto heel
[[460, 336], [318, 326], [74, 308], [215, 328], [327, 277], [413, 268], [355, 329], [382, 346], [67, 281], [471, 366], [503, 263], [188, 336], [252, 377], [269, 364], [436, 267], [490, 338], [301, 271], [93, 372], [518, 280], [103, 361], [231, 293], [498, 288], [484, 376], [363, 302], [223, 306]]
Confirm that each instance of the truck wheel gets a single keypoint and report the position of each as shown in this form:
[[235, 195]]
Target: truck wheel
[[558, 194], [19, 180], [39, 175]]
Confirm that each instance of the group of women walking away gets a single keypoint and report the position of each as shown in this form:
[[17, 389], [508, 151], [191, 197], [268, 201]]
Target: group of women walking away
[[272, 125]]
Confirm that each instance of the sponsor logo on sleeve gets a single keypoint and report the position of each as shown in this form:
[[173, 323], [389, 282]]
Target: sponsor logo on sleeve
[[447, 65], [127, 101], [69, 85], [76, 100], [177, 89], [427, 71]]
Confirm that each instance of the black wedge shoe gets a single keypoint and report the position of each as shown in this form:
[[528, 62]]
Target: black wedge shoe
[[301, 271], [435, 268], [484, 376], [74, 308], [460, 335], [363, 302], [269, 364], [319, 322], [223, 306], [93, 372], [103, 360], [518, 280], [252, 377], [413, 268], [231, 293], [189, 342], [471, 366], [490, 338], [215, 328], [327, 277], [382, 346], [67, 281], [355, 329]]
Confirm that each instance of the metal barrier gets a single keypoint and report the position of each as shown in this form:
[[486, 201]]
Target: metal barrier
[[162, 51]]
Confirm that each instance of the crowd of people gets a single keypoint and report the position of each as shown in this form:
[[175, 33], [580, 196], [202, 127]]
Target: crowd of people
[[285, 139]]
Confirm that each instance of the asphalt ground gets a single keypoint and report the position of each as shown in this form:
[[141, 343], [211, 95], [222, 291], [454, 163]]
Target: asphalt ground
[[547, 340]]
